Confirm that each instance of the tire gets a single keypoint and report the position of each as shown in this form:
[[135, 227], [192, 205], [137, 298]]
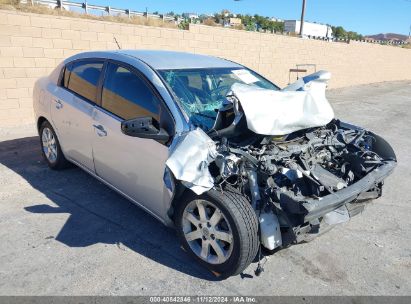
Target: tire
[[242, 221], [51, 150]]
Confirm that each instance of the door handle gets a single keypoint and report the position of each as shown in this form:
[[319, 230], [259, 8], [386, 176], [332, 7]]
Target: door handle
[[100, 130], [59, 104]]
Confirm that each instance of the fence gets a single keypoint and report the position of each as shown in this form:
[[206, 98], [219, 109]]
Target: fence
[[60, 4]]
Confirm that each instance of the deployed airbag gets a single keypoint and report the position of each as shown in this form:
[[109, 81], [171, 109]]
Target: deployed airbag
[[270, 112]]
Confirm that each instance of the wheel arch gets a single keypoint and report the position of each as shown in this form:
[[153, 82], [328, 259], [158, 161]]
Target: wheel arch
[[179, 192], [40, 121]]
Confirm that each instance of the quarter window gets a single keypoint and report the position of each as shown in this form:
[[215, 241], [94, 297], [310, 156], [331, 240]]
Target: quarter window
[[66, 76], [84, 78], [127, 95]]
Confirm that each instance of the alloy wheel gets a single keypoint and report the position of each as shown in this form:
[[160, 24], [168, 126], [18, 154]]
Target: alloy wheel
[[49, 145], [207, 231]]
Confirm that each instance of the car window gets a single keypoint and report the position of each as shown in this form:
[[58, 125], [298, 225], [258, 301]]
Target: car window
[[84, 78], [66, 75], [127, 95]]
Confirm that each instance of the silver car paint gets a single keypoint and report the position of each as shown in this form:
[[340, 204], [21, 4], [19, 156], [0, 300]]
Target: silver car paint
[[91, 137], [133, 165], [163, 60], [71, 116]]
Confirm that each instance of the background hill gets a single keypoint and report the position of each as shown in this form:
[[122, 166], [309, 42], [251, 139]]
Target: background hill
[[388, 36]]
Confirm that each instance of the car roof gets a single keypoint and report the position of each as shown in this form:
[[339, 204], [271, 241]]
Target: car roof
[[163, 60]]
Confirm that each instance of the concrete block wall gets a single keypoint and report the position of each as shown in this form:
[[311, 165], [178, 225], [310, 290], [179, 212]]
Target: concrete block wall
[[31, 45]]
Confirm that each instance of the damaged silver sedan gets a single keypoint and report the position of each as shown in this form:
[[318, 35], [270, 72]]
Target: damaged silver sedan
[[237, 165]]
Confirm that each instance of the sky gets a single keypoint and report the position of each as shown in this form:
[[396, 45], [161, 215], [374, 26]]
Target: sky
[[363, 16]]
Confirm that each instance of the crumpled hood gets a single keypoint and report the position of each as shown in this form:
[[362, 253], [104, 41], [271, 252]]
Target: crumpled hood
[[299, 106]]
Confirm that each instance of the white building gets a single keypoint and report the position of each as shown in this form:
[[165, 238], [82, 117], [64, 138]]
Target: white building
[[231, 22], [309, 29], [192, 16]]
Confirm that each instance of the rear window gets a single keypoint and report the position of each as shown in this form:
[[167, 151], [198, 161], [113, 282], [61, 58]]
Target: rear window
[[82, 78]]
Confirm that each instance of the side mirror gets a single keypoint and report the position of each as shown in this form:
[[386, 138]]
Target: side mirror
[[144, 127]]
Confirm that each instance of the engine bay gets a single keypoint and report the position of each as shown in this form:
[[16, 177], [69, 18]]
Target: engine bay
[[301, 180], [309, 163]]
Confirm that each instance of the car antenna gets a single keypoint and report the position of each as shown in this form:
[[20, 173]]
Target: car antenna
[[118, 45]]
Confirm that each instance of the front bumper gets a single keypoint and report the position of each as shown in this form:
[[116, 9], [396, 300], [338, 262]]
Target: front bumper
[[358, 190], [312, 217], [316, 217]]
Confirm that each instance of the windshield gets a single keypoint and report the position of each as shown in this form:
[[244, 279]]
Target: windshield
[[202, 92]]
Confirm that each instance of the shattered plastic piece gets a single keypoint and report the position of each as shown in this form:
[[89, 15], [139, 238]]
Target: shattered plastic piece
[[189, 160], [338, 216], [255, 192], [270, 112], [168, 180]]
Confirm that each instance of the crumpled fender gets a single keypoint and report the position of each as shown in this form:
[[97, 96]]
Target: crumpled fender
[[189, 159]]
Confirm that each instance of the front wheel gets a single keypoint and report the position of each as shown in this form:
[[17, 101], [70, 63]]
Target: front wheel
[[219, 229]]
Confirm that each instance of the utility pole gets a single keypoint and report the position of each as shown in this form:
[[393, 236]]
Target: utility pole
[[302, 19]]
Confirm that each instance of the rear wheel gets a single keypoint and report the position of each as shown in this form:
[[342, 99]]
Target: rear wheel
[[219, 229], [51, 149]]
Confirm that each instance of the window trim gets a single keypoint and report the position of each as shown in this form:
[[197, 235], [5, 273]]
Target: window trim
[[90, 60]]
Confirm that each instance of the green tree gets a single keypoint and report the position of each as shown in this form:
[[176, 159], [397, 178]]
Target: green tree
[[255, 22], [340, 33], [218, 17]]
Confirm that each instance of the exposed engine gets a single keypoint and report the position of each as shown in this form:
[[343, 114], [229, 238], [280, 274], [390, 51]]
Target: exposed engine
[[311, 164], [286, 175]]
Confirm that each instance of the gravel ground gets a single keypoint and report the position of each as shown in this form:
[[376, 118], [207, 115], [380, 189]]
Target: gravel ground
[[65, 233]]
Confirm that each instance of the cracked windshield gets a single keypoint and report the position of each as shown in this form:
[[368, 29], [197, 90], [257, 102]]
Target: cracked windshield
[[202, 92]]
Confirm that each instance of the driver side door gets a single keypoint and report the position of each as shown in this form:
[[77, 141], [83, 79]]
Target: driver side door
[[134, 166]]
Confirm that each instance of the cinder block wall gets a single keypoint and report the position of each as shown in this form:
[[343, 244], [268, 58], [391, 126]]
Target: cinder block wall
[[32, 45]]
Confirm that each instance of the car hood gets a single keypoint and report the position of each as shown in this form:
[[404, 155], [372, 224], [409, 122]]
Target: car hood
[[300, 106]]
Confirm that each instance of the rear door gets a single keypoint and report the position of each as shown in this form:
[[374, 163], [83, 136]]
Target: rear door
[[135, 166], [72, 110]]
